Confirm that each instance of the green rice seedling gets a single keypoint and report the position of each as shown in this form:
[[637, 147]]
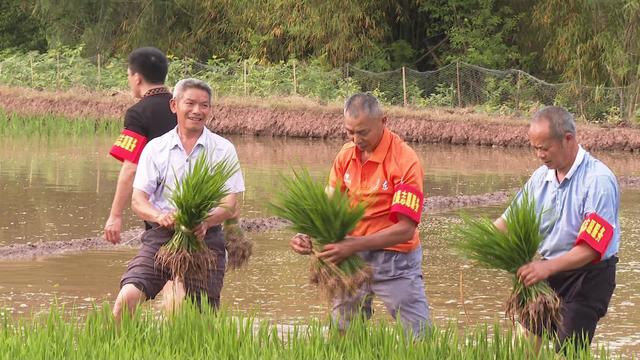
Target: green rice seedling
[[326, 219], [201, 189], [536, 306], [50, 126], [200, 332], [239, 247]]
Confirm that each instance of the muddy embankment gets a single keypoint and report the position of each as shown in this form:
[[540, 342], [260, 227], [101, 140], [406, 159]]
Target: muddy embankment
[[131, 238], [300, 118]]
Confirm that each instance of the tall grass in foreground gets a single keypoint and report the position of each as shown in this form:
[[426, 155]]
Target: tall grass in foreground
[[53, 125], [327, 219], [193, 334], [536, 306]]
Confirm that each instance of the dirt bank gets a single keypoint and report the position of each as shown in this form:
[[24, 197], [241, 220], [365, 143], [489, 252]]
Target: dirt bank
[[300, 118]]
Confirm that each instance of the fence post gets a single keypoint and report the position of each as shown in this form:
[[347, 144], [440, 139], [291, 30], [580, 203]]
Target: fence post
[[458, 83], [580, 104], [295, 79], [244, 77], [518, 90], [57, 70], [99, 75], [31, 67], [404, 87]]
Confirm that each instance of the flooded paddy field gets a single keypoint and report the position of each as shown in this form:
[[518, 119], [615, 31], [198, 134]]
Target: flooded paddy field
[[59, 189]]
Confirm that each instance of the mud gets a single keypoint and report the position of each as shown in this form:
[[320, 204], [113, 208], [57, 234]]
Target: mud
[[297, 118], [131, 238]]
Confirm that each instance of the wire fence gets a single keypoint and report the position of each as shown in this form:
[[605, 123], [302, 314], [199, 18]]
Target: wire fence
[[456, 85]]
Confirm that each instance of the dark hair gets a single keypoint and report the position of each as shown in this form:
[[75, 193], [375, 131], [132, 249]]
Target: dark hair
[[149, 62]]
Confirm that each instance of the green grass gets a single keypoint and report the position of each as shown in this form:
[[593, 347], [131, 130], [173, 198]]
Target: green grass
[[53, 125], [203, 334]]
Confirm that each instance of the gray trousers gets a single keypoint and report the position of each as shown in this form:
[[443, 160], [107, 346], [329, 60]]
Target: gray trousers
[[397, 281]]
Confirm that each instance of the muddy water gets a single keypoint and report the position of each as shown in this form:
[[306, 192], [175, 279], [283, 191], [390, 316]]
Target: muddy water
[[62, 189]]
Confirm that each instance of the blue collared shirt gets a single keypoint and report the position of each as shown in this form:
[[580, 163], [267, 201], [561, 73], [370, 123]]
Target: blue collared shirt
[[164, 160], [589, 187]]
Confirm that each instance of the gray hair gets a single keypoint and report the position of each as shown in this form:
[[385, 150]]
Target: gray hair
[[190, 83], [362, 104], [560, 120]]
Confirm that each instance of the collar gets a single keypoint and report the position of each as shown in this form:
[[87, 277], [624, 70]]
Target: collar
[[381, 150], [551, 173], [156, 91], [175, 139]]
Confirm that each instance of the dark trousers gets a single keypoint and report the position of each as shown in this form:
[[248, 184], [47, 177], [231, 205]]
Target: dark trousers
[[584, 294]]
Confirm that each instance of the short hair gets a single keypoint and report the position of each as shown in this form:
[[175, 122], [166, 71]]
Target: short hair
[[149, 62], [560, 120], [362, 104], [190, 83]]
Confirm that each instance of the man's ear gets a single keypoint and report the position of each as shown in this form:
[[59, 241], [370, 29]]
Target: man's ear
[[384, 120], [173, 105]]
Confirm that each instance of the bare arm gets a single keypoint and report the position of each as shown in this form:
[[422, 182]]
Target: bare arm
[[398, 233], [146, 211], [538, 270], [501, 224], [227, 209], [124, 188]]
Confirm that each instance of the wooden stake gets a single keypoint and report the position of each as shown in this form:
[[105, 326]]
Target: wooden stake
[[244, 77], [404, 86], [295, 80], [458, 81]]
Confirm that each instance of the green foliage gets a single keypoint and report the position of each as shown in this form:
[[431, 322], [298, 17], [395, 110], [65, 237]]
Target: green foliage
[[201, 189], [597, 47], [327, 219], [205, 333], [483, 242], [52, 126], [18, 29], [478, 32]]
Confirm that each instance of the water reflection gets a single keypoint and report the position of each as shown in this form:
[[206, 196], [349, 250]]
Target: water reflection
[[63, 189]]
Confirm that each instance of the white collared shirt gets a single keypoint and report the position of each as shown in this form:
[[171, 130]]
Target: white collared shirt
[[164, 160]]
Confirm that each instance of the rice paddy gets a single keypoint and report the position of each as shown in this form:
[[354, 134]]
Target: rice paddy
[[198, 334], [47, 125]]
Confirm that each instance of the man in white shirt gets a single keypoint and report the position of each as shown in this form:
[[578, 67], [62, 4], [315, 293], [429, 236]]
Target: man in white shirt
[[162, 161]]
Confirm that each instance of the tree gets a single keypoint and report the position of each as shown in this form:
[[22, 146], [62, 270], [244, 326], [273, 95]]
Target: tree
[[18, 29], [594, 42]]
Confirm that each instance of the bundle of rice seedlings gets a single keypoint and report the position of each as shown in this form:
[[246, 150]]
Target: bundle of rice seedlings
[[200, 190], [536, 306], [326, 219], [239, 247]]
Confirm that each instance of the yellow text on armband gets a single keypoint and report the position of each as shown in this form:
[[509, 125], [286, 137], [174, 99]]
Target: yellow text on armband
[[408, 199], [126, 142], [593, 228]]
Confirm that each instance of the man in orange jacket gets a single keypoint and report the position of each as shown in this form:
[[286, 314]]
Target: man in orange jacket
[[377, 165]]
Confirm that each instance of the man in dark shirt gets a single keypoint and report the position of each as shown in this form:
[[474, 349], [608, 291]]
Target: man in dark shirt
[[147, 119]]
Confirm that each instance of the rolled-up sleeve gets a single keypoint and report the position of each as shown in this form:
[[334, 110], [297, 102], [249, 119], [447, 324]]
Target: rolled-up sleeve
[[235, 184]]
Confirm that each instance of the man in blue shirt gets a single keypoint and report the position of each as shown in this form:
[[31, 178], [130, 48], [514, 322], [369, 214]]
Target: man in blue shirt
[[578, 198]]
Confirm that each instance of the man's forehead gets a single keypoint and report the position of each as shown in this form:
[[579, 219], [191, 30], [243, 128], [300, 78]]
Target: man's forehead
[[195, 94]]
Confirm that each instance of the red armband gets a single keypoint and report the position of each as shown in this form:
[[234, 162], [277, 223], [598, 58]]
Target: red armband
[[407, 200], [128, 146], [595, 232]]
